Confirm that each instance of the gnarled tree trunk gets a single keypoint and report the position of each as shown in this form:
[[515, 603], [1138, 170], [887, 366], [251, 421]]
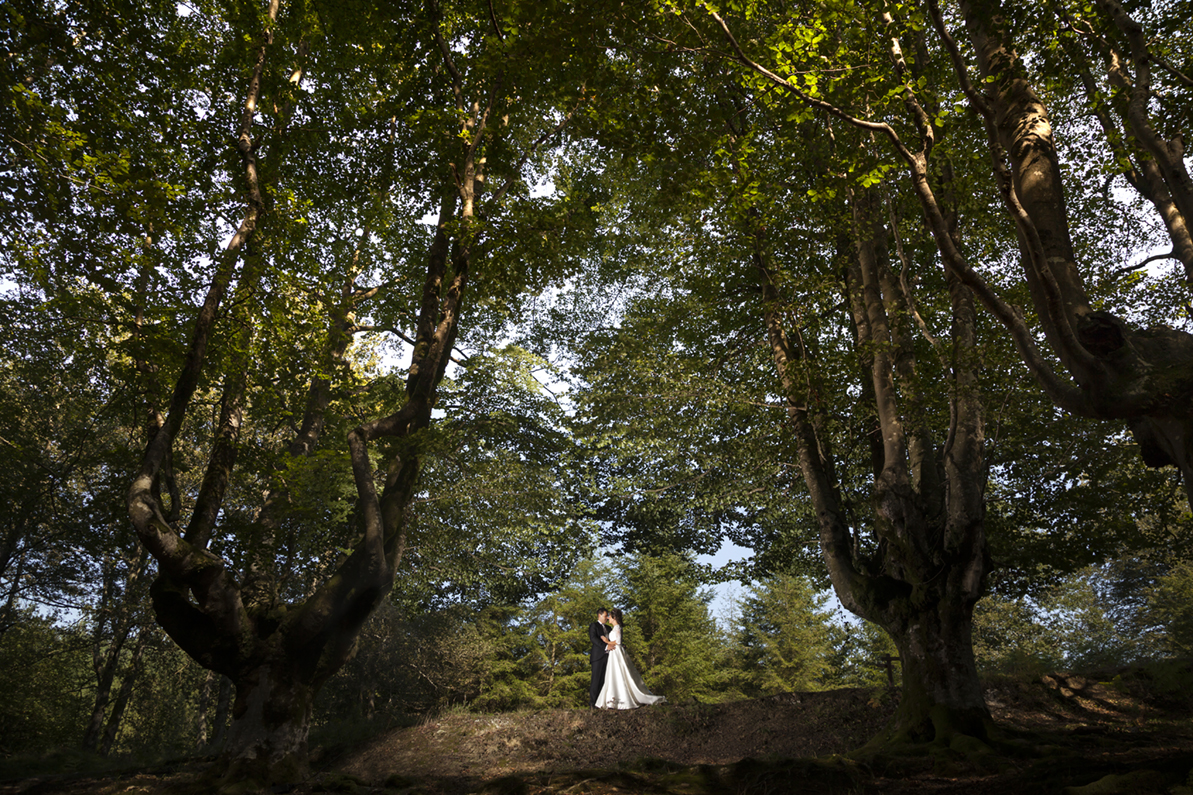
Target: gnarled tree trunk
[[271, 718], [922, 571]]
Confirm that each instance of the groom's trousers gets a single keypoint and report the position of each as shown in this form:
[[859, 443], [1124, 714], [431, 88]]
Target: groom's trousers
[[598, 677]]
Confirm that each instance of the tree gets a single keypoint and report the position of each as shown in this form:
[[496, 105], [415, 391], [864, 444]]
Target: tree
[[786, 636], [46, 711], [1142, 376], [277, 673], [350, 123], [556, 661], [866, 656], [1169, 607], [668, 630]]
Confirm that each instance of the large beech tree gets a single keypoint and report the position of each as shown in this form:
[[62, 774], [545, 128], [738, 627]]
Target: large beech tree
[[278, 652], [842, 95], [348, 125], [925, 573]]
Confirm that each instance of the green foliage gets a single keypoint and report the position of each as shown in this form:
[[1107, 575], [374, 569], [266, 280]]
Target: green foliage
[[629, 278], [499, 520], [668, 630], [63, 439], [506, 686], [1170, 607], [1083, 619], [162, 717], [1170, 679], [417, 663], [786, 637], [1096, 618], [865, 656], [1009, 638], [47, 668], [1066, 493], [53, 695], [556, 662]]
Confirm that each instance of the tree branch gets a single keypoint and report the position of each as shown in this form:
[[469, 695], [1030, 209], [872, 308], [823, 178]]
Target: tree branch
[[833, 110]]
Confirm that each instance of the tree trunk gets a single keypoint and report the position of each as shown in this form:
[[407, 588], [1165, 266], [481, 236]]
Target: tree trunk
[[125, 693], [201, 710], [926, 562], [267, 741], [941, 696], [278, 654], [103, 692], [223, 705]]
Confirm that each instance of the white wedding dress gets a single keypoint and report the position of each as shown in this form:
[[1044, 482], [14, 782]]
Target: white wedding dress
[[623, 684]]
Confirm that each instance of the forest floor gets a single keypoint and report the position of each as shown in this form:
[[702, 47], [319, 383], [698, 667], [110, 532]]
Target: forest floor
[[1129, 731]]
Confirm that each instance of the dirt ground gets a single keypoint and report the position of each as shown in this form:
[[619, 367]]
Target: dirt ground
[[1062, 733]]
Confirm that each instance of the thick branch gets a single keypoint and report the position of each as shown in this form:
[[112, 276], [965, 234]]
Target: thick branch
[[816, 461], [1167, 156], [1016, 122], [872, 126], [181, 561], [1063, 394]]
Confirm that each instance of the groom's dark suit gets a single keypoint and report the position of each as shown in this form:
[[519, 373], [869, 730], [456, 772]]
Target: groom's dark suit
[[598, 656]]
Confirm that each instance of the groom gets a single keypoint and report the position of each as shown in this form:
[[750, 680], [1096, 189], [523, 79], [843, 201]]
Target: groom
[[598, 634]]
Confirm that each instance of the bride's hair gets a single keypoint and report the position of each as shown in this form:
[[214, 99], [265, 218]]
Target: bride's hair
[[617, 615]]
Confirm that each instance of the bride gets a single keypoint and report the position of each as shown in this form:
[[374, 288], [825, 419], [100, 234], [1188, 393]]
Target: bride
[[623, 684]]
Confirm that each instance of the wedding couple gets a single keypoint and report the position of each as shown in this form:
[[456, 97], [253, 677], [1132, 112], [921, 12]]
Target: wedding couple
[[616, 683]]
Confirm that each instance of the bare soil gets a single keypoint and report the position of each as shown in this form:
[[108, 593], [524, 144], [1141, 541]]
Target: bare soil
[[1061, 733]]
